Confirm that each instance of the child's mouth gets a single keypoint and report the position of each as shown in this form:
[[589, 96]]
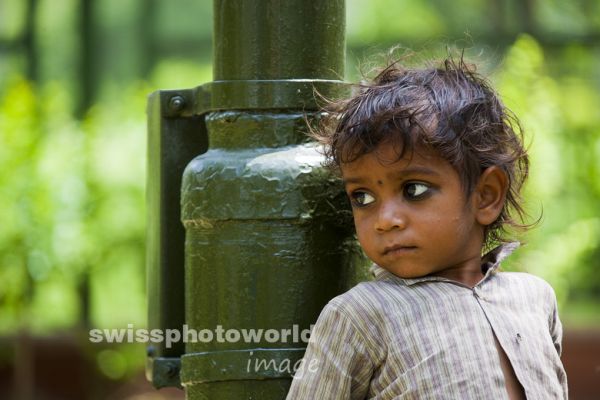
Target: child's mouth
[[398, 250]]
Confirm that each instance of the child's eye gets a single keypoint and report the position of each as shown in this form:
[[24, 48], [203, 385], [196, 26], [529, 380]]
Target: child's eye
[[361, 199], [415, 190]]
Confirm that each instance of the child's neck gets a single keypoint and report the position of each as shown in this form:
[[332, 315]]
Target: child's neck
[[468, 273]]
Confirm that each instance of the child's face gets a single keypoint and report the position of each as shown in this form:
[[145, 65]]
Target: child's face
[[412, 216]]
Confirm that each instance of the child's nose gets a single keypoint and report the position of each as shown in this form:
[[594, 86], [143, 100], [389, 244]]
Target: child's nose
[[391, 216]]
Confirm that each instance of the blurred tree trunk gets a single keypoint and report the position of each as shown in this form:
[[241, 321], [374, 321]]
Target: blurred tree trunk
[[29, 40], [87, 69], [83, 290], [88, 81], [24, 372], [524, 10], [147, 22], [497, 16]]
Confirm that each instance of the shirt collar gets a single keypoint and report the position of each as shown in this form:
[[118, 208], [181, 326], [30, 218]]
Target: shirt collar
[[489, 264]]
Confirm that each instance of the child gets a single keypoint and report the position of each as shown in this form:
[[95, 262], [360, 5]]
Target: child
[[433, 164]]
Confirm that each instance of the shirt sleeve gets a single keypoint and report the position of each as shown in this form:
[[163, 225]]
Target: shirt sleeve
[[556, 330], [337, 363]]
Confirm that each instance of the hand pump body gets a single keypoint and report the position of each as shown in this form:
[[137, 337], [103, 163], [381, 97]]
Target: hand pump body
[[250, 233]]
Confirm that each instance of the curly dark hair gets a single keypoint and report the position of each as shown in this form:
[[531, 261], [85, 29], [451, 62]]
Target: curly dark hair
[[448, 107]]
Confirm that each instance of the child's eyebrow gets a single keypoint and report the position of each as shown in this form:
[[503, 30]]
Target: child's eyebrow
[[357, 179], [415, 170]]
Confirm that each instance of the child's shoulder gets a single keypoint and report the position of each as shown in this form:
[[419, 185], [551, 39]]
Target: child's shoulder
[[366, 299], [363, 308], [363, 291], [526, 283], [524, 278]]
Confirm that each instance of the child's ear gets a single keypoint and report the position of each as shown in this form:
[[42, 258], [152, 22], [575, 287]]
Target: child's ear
[[490, 194]]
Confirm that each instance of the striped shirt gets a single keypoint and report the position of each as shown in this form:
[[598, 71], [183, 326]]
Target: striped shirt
[[433, 338]]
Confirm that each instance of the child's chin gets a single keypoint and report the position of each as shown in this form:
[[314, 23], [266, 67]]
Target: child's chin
[[406, 272]]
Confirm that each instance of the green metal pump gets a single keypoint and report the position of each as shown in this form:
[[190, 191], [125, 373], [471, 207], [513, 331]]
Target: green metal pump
[[251, 232]]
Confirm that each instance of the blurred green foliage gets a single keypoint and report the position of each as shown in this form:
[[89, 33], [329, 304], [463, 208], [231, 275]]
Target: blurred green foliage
[[72, 202], [72, 207], [563, 129]]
